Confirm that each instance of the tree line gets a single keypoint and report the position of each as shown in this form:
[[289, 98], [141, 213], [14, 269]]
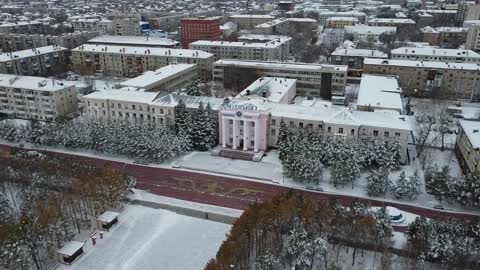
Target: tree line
[[45, 202]]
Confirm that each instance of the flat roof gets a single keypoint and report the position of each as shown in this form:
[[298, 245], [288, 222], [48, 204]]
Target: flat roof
[[6, 57], [379, 91], [123, 95], [424, 64], [149, 79], [184, 53], [259, 16], [134, 40], [70, 248], [33, 83], [281, 65], [359, 53], [108, 216], [283, 20], [391, 20], [267, 44], [353, 19], [260, 37], [368, 29], [472, 129], [275, 88], [435, 52]]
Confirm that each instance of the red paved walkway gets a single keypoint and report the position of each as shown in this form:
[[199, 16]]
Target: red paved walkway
[[226, 191]]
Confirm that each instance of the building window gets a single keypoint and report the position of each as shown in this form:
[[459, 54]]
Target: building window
[[300, 124], [320, 126], [133, 107], [252, 124], [274, 122], [292, 124], [386, 134], [340, 130], [119, 106], [375, 133], [230, 121], [273, 131], [397, 134], [352, 131], [329, 129]]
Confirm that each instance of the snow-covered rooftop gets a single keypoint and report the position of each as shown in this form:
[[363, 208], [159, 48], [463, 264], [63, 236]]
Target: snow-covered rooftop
[[275, 88], [284, 20], [273, 43], [5, 57], [472, 130], [70, 248], [263, 38], [134, 41], [33, 83], [282, 65], [108, 216], [353, 19], [183, 53], [253, 16], [365, 29], [150, 79], [379, 92], [122, 95], [424, 64], [435, 52], [392, 20], [359, 53]]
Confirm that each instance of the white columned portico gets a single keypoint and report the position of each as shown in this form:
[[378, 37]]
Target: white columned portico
[[235, 134], [246, 129], [256, 136], [224, 133]]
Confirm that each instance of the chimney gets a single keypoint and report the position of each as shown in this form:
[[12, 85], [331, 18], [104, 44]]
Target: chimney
[[248, 92], [264, 94]]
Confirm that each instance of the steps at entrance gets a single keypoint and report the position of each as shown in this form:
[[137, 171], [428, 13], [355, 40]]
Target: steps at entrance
[[236, 154]]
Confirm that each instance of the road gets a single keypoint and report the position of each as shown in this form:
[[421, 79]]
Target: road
[[229, 191]]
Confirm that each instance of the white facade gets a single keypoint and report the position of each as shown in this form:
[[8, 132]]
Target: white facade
[[473, 38], [436, 54], [36, 97], [144, 41], [104, 27], [367, 33], [270, 49]]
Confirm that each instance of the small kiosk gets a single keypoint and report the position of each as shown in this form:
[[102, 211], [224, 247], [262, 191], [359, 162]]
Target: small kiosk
[[70, 252], [107, 220]]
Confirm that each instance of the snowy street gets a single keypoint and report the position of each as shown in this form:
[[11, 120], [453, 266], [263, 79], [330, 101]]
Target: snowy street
[[152, 239]]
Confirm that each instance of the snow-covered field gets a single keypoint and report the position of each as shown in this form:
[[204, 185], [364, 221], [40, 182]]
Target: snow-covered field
[[153, 239]]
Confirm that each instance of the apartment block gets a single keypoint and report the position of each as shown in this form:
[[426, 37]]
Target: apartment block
[[249, 21], [312, 79], [368, 33], [341, 22], [353, 58], [36, 97], [325, 15], [249, 47], [130, 61], [473, 38], [43, 61], [22, 27], [445, 36], [467, 146], [16, 42], [150, 42], [104, 27], [430, 79], [436, 54], [286, 26]]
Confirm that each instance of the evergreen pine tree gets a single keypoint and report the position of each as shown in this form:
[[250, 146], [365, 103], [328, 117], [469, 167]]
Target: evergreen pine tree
[[282, 140], [211, 121], [377, 182], [181, 117], [199, 129]]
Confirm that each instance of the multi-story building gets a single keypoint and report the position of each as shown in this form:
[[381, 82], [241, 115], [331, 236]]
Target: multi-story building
[[445, 36], [468, 12], [433, 79], [36, 97], [379, 93], [473, 38], [403, 25], [166, 79], [341, 22], [249, 21], [312, 79], [353, 58], [17, 42], [436, 54], [104, 27], [324, 15], [467, 146], [130, 61], [150, 42], [43, 61], [250, 47], [126, 24], [368, 33], [193, 29], [33, 27], [286, 26], [435, 17], [251, 123]]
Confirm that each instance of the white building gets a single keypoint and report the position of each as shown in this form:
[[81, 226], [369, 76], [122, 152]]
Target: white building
[[249, 21], [379, 93], [473, 37], [436, 54], [169, 78], [353, 58], [36, 97], [132, 61], [271, 89], [368, 33], [43, 61], [151, 42], [323, 16], [250, 47], [104, 27], [285, 26], [312, 79]]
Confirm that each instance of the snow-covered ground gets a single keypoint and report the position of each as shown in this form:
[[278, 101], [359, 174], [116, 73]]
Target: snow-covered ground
[[152, 239]]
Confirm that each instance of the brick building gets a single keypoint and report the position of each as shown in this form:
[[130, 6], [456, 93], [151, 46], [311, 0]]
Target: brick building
[[193, 29]]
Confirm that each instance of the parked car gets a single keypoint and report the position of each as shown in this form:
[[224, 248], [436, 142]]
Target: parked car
[[314, 188]]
